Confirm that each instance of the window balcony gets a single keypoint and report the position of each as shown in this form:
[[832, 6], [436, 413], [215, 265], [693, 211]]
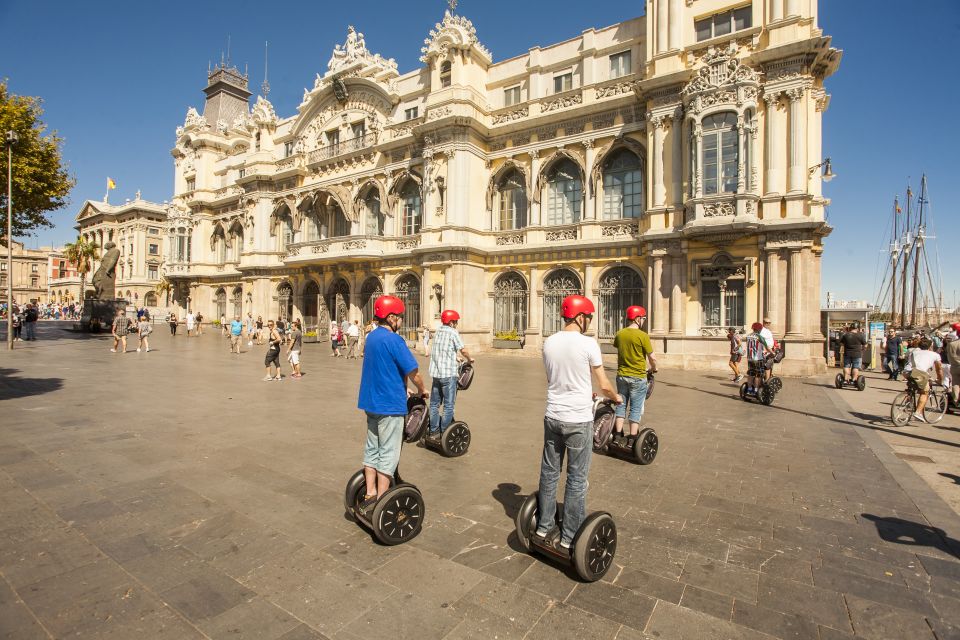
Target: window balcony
[[341, 148]]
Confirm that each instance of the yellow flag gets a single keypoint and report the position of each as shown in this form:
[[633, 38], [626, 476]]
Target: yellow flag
[[110, 183]]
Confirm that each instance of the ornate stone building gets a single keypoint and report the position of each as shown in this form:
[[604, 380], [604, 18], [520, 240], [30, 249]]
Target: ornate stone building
[[139, 229], [29, 274], [671, 160]]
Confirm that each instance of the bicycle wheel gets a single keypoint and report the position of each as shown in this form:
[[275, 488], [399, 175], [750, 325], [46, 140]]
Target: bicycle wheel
[[902, 409], [936, 406]]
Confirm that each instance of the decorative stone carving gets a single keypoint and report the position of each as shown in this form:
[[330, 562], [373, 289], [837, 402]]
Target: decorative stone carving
[[321, 248], [510, 116], [783, 239], [354, 50], [408, 243], [509, 239], [623, 229], [614, 89], [195, 121], [721, 69], [455, 32], [718, 209], [712, 332], [561, 103], [561, 234], [263, 113], [436, 114], [355, 244]]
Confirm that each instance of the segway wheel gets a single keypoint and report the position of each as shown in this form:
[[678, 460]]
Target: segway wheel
[[465, 377], [743, 392], [356, 489], [646, 446], [398, 516], [417, 416], [861, 383], [455, 440], [767, 395], [595, 547], [603, 428], [838, 381], [526, 520], [776, 383]]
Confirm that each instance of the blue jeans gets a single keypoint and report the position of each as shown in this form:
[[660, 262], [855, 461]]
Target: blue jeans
[[634, 391], [558, 438], [445, 389], [30, 327], [384, 437], [851, 362]]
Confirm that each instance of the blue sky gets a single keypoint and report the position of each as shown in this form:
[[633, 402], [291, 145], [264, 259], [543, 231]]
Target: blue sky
[[117, 78]]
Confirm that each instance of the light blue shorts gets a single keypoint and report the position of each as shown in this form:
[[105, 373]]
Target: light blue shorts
[[634, 392], [384, 438]]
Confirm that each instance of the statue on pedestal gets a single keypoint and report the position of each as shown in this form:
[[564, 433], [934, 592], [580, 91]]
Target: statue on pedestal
[[105, 279]]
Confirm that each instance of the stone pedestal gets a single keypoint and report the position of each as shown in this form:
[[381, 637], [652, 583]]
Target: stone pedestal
[[98, 314]]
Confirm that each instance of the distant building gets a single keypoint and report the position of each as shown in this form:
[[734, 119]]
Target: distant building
[[30, 274], [138, 228], [63, 280]]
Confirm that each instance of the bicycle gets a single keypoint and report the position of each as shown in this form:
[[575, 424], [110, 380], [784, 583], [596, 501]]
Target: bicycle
[[905, 404]]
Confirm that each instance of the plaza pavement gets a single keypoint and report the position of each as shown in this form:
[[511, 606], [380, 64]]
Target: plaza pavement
[[176, 495]]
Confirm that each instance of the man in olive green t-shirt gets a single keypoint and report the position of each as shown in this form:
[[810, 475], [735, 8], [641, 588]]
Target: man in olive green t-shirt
[[633, 351]]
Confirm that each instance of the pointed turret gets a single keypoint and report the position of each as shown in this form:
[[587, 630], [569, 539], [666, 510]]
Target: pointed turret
[[227, 94]]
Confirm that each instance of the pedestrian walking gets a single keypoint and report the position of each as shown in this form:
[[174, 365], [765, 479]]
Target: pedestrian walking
[[30, 317], [570, 359], [296, 345], [736, 353], [274, 340], [199, 320], [353, 339], [250, 329], [191, 323], [172, 321], [334, 339], [259, 326], [236, 334], [120, 330], [144, 329], [224, 328], [387, 367]]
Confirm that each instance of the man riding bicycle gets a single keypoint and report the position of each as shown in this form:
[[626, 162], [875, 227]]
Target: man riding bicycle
[[922, 362]]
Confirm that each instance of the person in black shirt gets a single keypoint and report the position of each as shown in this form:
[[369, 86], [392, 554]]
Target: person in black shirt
[[891, 347], [853, 343]]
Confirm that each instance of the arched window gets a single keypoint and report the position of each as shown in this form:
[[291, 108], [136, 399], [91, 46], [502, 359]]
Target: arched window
[[408, 290], [374, 220], [312, 228], [564, 193], [183, 245], [411, 208], [150, 299], [220, 246], [445, 74], [509, 304], [371, 290], [722, 288], [284, 230], [557, 286], [513, 201], [620, 287], [221, 303], [720, 151], [285, 300], [339, 225], [622, 186], [236, 243], [237, 299]]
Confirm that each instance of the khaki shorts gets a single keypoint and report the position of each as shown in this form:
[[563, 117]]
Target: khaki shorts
[[234, 340], [920, 378]]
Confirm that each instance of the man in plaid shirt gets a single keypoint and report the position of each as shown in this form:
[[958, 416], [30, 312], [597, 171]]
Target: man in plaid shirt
[[120, 329], [444, 369]]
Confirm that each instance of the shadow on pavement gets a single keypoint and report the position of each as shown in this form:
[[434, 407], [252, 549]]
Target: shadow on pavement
[[508, 495], [950, 476], [12, 387], [914, 534]]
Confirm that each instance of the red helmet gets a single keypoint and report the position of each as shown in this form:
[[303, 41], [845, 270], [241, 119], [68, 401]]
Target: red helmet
[[756, 326], [385, 305], [956, 327], [449, 316], [635, 312], [575, 305]]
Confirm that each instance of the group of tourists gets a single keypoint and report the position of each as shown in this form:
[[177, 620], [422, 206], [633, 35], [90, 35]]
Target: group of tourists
[[759, 347], [348, 336], [24, 321], [123, 326], [922, 358]]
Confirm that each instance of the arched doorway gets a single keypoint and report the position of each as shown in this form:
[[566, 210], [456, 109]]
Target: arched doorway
[[285, 300], [620, 287], [237, 299], [150, 299], [311, 307], [371, 290], [557, 286], [408, 290], [338, 300], [221, 303]]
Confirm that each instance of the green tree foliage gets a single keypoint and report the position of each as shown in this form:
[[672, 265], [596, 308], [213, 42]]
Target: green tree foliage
[[40, 181], [82, 253]]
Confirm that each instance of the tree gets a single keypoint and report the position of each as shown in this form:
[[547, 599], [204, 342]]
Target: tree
[[163, 288], [82, 253], [40, 181]]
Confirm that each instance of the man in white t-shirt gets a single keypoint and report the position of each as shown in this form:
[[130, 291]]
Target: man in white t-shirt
[[570, 358], [922, 363]]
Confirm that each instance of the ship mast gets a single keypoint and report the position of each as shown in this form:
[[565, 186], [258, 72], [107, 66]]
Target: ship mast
[[894, 256], [918, 250], [905, 261]]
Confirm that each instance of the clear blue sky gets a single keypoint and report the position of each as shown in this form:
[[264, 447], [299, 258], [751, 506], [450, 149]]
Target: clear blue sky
[[117, 78]]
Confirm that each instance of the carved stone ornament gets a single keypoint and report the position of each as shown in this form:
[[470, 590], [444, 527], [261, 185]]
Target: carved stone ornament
[[561, 234], [561, 103], [339, 89], [510, 116], [195, 121], [408, 243], [321, 248], [783, 239], [718, 209], [456, 32], [354, 50], [721, 69], [436, 114], [509, 239], [263, 113], [355, 244], [614, 89], [624, 229]]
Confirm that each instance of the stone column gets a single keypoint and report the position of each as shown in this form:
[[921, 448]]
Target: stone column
[[534, 198], [797, 132], [534, 309], [776, 10], [588, 291], [590, 211], [792, 8], [771, 289], [697, 160], [774, 143], [659, 188], [663, 25], [795, 294], [676, 294], [673, 25], [676, 134], [659, 314]]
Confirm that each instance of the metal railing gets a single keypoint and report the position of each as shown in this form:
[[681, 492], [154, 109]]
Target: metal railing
[[340, 148]]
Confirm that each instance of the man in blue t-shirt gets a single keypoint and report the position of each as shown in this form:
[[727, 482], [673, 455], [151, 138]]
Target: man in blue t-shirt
[[236, 331], [387, 365]]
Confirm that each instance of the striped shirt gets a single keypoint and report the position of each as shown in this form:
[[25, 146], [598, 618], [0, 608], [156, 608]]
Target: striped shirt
[[443, 356]]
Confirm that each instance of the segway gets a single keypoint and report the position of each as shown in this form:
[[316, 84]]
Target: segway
[[859, 384], [591, 554], [397, 517], [464, 375], [642, 448], [455, 439], [418, 416], [764, 395], [775, 382]]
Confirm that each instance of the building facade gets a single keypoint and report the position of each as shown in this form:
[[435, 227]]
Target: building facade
[[138, 229], [63, 280], [29, 274], [671, 161]]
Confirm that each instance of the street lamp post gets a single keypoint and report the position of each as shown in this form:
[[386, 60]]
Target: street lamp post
[[11, 139]]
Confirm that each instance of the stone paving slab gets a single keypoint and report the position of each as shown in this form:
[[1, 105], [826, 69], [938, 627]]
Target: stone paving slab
[[208, 504]]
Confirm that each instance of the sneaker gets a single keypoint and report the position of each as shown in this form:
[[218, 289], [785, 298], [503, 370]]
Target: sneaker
[[148, 350], [919, 417], [434, 436], [268, 379], [565, 545], [279, 378], [138, 349], [113, 350], [549, 539], [739, 378]]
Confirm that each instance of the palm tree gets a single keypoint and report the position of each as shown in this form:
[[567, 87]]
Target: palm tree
[[163, 288], [82, 253]]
